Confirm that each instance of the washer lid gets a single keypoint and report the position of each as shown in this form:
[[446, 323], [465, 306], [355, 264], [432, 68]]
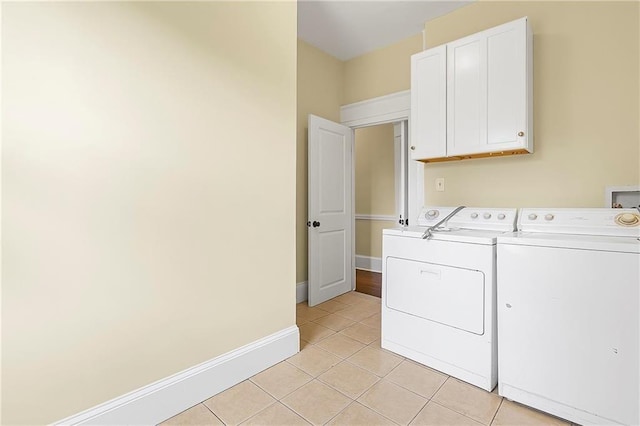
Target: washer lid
[[470, 236], [573, 241]]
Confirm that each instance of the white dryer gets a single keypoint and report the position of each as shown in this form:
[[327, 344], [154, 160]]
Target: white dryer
[[438, 294], [568, 321]]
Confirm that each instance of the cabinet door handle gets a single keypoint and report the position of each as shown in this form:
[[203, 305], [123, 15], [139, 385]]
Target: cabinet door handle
[[520, 134], [413, 148]]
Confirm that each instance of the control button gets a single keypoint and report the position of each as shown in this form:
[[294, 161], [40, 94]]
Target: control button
[[627, 219], [487, 215], [474, 215], [501, 216], [548, 217], [432, 214], [533, 216]]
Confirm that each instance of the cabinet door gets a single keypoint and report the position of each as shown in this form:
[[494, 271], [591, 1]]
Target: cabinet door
[[488, 91], [507, 86], [467, 95], [428, 137]]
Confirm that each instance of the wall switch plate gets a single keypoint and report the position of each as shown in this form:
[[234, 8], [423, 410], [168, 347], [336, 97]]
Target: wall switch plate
[[440, 184]]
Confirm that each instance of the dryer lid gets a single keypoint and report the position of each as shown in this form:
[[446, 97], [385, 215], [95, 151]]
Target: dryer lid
[[457, 235]]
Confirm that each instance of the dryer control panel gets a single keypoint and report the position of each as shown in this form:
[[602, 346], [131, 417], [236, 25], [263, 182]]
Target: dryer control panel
[[585, 221], [482, 218]]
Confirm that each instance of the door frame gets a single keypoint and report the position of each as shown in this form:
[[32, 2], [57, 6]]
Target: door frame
[[390, 108]]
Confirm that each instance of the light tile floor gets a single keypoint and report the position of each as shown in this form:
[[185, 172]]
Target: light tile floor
[[343, 377]]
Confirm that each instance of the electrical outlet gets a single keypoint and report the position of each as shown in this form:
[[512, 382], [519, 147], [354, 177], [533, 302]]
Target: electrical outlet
[[440, 184]]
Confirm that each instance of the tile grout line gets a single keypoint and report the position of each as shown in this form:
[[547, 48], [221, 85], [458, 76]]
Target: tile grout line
[[286, 395], [207, 407], [496, 413], [255, 414], [378, 378], [440, 387], [456, 411], [380, 414], [340, 412], [419, 411], [331, 387]]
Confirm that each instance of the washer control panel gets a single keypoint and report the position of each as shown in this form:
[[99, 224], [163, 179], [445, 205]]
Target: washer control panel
[[587, 221], [470, 218]]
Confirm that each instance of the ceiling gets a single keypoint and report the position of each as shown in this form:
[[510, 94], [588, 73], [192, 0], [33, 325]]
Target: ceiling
[[346, 29]]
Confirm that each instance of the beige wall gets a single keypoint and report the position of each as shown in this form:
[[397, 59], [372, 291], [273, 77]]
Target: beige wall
[[381, 72], [369, 237], [374, 185], [320, 83], [586, 111], [148, 184], [374, 170]]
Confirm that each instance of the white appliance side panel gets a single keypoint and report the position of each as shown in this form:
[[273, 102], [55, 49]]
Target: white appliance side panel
[[568, 328], [448, 295]]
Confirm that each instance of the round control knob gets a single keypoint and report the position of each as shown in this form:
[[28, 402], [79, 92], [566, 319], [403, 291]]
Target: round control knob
[[432, 214], [487, 215], [548, 217], [533, 216], [501, 216], [627, 219], [474, 215]]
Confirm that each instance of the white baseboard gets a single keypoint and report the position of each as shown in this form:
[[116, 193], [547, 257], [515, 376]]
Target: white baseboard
[[165, 398], [368, 263], [302, 291]]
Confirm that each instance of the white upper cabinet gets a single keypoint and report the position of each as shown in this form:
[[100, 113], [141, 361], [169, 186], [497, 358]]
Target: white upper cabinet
[[429, 103], [488, 96]]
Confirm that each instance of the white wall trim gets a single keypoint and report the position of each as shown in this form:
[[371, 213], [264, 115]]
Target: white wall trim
[[368, 263], [167, 397], [376, 217], [302, 292], [383, 109]]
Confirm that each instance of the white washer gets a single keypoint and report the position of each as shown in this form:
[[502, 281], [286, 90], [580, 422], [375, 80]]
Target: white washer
[[568, 321], [438, 294]]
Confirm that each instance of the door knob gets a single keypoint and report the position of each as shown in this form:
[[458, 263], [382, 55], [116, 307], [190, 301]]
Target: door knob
[[521, 134], [413, 148], [316, 223]]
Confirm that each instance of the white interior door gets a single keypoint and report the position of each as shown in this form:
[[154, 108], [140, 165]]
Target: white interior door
[[330, 217]]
